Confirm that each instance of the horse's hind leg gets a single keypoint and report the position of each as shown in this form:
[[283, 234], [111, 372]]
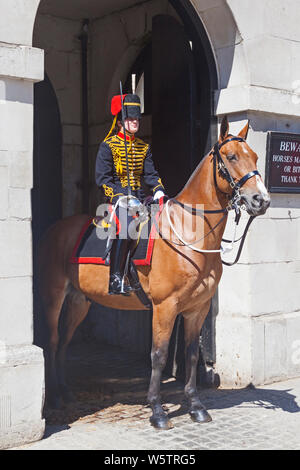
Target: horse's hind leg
[[52, 303], [192, 326], [77, 307], [163, 322]]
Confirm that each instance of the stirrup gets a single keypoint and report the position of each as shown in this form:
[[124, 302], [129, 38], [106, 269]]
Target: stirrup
[[117, 286]]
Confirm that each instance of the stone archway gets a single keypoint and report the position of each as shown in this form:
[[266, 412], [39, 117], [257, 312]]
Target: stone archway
[[242, 88], [21, 65], [116, 41]]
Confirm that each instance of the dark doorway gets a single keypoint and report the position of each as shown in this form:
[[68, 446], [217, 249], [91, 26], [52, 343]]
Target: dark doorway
[[175, 86], [173, 102], [46, 197], [181, 110], [47, 161]]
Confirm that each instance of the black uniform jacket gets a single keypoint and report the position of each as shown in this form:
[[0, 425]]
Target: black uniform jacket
[[111, 171]]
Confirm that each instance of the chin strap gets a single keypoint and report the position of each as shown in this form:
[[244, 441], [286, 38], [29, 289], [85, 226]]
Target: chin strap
[[112, 128]]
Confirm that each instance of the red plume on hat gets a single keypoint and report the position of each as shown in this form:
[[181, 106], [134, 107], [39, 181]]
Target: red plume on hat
[[115, 108], [116, 104], [132, 108]]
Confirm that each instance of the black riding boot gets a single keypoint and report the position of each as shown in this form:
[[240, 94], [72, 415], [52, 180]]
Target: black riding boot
[[118, 258]]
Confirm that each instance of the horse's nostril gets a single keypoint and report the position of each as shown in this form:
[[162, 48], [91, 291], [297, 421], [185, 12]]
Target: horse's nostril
[[258, 200]]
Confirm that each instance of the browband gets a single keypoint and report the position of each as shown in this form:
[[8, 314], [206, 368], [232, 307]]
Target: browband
[[239, 139]]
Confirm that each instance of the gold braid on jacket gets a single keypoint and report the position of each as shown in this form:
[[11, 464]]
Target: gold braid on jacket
[[136, 151]]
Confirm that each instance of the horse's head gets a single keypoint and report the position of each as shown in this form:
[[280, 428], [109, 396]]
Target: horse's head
[[236, 170]]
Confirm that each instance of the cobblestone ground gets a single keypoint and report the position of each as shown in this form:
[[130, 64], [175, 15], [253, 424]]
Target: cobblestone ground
[[111, 413]]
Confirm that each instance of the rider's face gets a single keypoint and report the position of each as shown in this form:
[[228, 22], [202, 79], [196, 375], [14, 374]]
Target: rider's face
[[132, 125]]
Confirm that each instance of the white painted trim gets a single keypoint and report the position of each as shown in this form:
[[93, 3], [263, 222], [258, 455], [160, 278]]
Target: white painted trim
[[21, 62], [254, 98]]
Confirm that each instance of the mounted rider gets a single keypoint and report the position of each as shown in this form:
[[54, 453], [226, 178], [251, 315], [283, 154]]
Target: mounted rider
[[122, 160]]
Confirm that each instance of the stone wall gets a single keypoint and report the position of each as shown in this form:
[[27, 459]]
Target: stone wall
[[21, 363], [59, 38], [256, 47], [258, 326]]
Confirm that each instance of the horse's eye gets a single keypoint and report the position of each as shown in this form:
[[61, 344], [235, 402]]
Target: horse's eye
[[231, 158]]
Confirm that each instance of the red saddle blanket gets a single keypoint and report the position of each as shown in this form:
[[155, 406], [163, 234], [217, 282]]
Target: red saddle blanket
[[90, 249]]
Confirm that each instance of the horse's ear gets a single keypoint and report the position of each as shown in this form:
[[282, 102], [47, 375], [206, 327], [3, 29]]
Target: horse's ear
[[244, 131], [224, 129]]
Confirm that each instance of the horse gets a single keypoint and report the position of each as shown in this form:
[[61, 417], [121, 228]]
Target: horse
[[180, 280]]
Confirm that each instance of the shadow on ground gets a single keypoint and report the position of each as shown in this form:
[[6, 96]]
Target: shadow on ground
[[111, 384]]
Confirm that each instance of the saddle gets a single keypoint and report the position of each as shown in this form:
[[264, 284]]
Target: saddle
[[91, 249], [93, 244]]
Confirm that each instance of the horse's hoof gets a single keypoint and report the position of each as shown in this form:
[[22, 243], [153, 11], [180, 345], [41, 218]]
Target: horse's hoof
[[200, 416], [161, 422]]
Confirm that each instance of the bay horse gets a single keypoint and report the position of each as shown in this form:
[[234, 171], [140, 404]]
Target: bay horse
[[179, 281]]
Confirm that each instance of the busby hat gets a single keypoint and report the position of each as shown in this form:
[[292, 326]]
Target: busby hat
[[132, 108]]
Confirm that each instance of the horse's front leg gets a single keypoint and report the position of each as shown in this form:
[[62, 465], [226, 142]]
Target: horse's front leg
[[162, 326], [192, 327]]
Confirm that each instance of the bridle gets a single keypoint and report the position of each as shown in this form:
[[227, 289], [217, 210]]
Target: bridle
[[233, 202], [219, 164]]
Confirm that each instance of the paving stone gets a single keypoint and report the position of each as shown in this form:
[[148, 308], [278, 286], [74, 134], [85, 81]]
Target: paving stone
[[111, 412]]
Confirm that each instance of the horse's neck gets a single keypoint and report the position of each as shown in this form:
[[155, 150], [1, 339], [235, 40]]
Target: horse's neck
[[201, 189]]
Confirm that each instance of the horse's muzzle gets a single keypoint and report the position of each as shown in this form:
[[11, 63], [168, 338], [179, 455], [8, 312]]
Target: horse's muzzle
[[256, 203]]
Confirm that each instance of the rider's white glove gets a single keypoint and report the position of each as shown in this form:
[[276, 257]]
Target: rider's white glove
[[158, 195]]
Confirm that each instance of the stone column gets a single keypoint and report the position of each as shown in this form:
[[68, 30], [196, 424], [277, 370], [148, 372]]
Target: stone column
[[21, 363], [258, 325]]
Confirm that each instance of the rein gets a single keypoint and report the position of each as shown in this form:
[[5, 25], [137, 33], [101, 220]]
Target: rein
[[218, 164]]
